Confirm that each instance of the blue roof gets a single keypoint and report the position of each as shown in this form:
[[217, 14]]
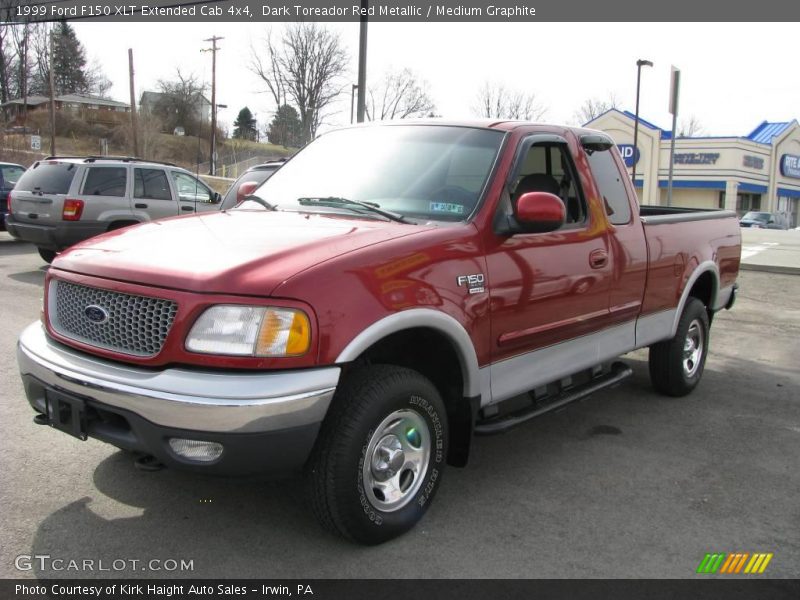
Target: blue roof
[[764, 133]]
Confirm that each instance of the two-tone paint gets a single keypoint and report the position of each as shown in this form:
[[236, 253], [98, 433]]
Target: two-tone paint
[[552, 304]]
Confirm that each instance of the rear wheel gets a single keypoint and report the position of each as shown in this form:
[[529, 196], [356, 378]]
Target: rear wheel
[[47, 255], [380, 454], [676, 365]]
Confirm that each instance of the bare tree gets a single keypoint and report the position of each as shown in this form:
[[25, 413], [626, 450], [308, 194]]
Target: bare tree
[[594, 107], [690, 127], [495, 101], [400, 95], [304, 67], [180, 103]]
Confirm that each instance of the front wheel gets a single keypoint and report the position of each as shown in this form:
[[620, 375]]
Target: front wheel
[[380, 454], [676, 365], [47, 255]]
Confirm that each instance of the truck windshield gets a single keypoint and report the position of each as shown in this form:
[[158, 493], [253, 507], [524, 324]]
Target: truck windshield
[[424, 172]]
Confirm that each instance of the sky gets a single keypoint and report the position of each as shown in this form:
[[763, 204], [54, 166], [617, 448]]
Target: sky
[[732, 77]]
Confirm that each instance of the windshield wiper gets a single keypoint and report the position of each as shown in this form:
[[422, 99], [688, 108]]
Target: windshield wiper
[[258, 200], [336, 202]]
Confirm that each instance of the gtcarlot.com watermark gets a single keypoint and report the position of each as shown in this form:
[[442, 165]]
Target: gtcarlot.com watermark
[[46, 562]]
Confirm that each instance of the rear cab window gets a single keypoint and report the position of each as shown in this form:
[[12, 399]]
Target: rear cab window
[[48, 178], [105, 181], [612, 188]]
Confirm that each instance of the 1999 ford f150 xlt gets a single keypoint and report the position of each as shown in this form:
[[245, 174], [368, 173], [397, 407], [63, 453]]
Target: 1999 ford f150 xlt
[[389, 292]]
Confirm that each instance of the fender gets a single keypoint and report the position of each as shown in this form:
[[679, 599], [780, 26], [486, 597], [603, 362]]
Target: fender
[[421, 317], [703, 267]]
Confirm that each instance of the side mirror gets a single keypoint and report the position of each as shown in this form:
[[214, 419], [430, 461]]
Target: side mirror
[[216, 198], [245, 189], [540, 212]]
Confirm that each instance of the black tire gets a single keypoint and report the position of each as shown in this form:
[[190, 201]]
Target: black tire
[[47, 255], [673, 371], [341, 473]]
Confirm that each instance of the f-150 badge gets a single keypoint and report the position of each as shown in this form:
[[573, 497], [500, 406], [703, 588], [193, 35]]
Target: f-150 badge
[[474, 283]]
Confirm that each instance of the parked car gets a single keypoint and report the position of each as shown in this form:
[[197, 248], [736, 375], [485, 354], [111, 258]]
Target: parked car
[[249, 181], [342, 322], [9, 175], [764, 220], [62, 200]]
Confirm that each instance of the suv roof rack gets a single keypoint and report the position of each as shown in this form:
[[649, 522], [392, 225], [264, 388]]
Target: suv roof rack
[[117, 158]]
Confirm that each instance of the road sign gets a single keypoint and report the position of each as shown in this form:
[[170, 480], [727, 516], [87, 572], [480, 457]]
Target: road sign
[[36, 142]]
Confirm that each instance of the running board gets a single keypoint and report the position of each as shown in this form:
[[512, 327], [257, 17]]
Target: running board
[[618, 372]]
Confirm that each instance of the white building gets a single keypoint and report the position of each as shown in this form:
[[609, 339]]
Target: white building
[[760, 171]]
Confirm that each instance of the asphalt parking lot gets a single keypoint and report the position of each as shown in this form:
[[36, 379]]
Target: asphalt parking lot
[[623, 484]]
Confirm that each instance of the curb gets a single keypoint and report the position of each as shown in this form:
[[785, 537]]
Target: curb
[[770, 269]]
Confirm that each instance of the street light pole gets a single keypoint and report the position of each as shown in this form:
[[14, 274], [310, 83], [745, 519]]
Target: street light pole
[[639, 64]]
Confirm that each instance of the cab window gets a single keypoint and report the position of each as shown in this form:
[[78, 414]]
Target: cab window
[[548, 168], [612, 189]]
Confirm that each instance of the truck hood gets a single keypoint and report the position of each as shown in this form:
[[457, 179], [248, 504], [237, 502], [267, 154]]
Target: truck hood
[[237, 252]]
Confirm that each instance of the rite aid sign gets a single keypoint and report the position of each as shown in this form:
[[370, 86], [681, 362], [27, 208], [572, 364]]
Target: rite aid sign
[[629, 154], [790, 166]]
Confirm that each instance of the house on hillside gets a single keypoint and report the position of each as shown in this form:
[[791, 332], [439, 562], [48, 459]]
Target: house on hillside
[[92, 109], [201, 106]]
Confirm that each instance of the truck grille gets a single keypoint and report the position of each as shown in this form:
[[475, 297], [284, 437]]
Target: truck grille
[[125, 323]]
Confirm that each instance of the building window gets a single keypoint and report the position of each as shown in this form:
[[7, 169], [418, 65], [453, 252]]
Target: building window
[[747, 202], [721, 202]]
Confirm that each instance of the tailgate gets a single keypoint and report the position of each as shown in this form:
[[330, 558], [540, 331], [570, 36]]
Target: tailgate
[[33, 208], [39, 194]]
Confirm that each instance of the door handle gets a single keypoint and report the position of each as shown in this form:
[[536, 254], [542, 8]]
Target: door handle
[[140, 205], [187, 208], [598, 259]]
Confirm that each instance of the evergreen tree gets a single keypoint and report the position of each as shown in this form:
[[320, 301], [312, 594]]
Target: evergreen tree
[[71, 73], [69, 62], [244, 125], [286, 128]]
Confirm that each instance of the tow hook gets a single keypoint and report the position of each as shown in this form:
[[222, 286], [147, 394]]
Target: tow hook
[[148, 463]]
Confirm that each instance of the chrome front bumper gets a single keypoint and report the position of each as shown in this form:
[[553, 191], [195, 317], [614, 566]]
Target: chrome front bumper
[[206, 401]]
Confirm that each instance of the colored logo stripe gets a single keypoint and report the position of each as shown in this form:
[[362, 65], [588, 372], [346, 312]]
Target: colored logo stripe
[[721, 562]]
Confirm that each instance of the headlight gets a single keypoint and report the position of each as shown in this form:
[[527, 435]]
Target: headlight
[[250, 331]]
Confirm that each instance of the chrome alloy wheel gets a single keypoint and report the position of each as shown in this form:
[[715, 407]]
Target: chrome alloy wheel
[[693, 348], [396, 460]]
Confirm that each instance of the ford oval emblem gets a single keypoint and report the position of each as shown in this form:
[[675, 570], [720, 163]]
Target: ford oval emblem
[[96, 314]]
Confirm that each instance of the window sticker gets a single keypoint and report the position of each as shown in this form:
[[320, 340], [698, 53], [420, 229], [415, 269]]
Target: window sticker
[[453, 209]]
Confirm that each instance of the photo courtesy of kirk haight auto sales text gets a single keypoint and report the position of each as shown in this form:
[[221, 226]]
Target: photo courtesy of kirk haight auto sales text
[[164, 591]]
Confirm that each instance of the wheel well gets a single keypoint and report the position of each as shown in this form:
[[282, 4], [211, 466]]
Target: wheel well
[[120, 224], [703, 290], [430, 353]]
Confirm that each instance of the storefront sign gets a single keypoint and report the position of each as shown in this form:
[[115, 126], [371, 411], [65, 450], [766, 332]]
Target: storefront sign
[[753, 162], [790, 166], [696, 158], [629, 154]]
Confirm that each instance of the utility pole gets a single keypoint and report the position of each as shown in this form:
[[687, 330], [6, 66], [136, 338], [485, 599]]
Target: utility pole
[[362, 63], [213, 160], [134, 127], [52, 95], [24, 77]]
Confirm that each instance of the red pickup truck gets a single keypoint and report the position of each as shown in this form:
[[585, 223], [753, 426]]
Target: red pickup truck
[[391, 291]]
